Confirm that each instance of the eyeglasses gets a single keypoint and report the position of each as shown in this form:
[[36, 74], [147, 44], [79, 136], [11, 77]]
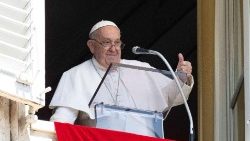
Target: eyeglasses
[[107, 44]]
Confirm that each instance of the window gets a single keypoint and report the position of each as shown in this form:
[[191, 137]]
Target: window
[[22, 51]]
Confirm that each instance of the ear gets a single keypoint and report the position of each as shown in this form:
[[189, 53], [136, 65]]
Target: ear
[[91, 46]]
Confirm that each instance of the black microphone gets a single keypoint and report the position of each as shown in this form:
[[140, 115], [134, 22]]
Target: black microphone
[[139, 50]]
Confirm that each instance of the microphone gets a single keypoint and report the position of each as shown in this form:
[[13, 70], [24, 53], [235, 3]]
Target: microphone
[[139, 50]]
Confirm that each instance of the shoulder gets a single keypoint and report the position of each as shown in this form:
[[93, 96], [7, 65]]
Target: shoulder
[[135, 63], [83, 67]]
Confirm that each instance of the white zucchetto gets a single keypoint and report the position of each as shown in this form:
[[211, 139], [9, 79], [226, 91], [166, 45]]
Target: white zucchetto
[[101, 24]]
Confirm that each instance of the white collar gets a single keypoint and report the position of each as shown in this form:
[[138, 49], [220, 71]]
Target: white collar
[[97, 65]]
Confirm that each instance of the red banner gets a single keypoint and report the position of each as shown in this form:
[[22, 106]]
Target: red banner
[[69, 132]]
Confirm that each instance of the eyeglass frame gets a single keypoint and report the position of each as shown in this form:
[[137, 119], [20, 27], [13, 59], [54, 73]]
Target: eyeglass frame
[[110, 44]]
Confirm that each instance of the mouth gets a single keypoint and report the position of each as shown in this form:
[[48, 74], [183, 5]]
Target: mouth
[[111, 54]]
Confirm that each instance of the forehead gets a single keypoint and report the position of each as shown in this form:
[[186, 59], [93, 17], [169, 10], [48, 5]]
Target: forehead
[[109, 32]]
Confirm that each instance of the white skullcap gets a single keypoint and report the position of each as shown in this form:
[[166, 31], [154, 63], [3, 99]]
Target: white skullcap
[[101, 24]]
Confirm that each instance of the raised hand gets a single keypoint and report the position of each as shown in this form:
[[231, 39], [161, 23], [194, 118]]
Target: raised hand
[[185, 67]]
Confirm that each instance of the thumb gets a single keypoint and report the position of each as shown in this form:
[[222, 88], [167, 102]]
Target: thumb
[[181, 58]]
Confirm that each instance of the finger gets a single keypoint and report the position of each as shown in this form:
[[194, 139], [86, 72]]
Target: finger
[[185, 63], [181, 58], [186, 69]]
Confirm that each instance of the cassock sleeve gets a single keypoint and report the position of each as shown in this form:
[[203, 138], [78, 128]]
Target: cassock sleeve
[[174, 97], [65, 115]]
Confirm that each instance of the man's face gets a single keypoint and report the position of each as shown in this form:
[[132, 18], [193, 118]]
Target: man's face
[[105, 46]]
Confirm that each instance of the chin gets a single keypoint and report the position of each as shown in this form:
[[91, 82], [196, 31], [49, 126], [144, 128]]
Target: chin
[[113, 60]]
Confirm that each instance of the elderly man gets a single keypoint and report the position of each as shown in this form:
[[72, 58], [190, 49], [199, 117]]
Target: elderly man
[[77, 85]]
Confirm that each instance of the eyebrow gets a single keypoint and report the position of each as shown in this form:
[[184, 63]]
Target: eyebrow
[[108, 39]]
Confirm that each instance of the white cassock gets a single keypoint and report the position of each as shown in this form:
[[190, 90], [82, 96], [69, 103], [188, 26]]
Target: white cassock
[[122, 87]]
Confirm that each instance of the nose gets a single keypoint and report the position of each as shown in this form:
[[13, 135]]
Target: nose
[[112, 47]]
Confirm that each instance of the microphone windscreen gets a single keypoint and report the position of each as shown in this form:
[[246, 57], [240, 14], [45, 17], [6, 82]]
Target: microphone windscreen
[[134, 49]]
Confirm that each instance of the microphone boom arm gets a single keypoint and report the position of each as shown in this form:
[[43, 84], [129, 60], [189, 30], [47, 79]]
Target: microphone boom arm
[[191, 137]]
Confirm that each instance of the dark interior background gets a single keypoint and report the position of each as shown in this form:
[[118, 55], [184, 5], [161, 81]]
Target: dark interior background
[[167, 26]]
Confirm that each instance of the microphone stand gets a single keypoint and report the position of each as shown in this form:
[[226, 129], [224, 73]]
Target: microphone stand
[[191, 135]]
